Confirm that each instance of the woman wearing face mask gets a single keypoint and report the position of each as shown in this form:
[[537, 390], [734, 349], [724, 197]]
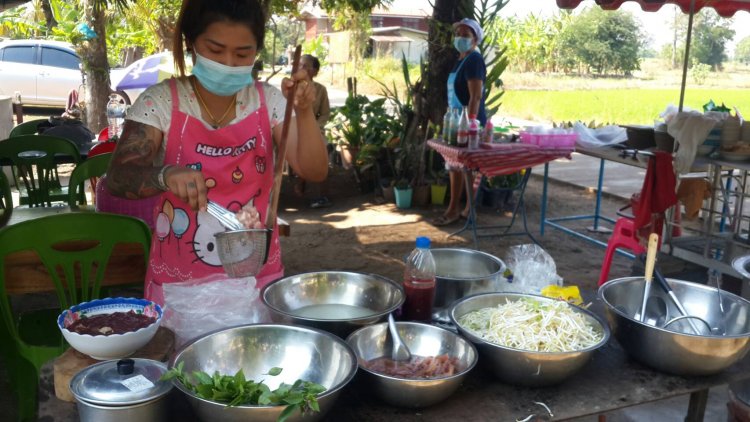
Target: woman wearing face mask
[[465, 88], [211, 135]]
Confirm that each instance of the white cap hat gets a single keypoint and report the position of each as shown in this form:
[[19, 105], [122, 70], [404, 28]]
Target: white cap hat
[[473, 25]]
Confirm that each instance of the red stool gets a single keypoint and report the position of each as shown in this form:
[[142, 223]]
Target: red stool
[[623, 236]]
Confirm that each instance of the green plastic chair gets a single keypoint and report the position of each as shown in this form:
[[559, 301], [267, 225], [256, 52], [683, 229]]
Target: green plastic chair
[[6, 200], [36, 176], [26, 128], [93, 168], [31, 339]]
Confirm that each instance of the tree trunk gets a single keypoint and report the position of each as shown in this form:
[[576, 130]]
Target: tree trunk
[[96, 68], [48, 16], [442, 55], [165, 33]]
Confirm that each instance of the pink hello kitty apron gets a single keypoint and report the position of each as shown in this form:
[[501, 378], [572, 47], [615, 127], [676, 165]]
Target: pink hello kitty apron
[[237, 163]]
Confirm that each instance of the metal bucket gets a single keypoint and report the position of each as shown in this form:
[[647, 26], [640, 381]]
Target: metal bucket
[[463, 272]]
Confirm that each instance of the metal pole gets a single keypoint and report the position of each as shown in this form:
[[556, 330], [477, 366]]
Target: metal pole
[[687, 53]]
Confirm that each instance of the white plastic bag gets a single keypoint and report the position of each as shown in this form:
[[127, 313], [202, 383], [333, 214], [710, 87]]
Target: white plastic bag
[[601, 137], [196, 307], [532, 267]]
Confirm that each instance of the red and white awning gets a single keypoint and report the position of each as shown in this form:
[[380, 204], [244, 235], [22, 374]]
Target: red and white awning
[[725, 8]]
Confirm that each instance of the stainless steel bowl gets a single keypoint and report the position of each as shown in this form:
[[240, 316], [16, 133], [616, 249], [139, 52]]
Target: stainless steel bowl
[[302, 353], [343, 301], [742, 266], [464, 272], [678, 352], [373, 342], [524, 367]]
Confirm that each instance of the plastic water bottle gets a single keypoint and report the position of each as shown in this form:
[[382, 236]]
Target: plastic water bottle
[[419, 282], [463, 128], [115, 116], [473, 133]]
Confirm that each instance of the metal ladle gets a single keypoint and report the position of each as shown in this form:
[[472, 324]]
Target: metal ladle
[[399, 352], [656, 311], [667, 288]]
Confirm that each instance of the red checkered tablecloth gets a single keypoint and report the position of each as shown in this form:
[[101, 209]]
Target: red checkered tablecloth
[[498, 159]]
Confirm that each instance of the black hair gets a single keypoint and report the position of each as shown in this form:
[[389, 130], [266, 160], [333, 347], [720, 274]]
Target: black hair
[[197, 15], [314, 60]]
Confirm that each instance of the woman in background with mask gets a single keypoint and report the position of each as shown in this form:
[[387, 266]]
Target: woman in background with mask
[[465, 88], [212, 135]]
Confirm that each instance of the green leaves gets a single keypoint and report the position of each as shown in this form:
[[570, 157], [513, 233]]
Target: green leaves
[[236, 390]]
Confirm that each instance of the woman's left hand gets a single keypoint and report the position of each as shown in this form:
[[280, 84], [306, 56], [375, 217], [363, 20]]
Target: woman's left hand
[[304, 95]]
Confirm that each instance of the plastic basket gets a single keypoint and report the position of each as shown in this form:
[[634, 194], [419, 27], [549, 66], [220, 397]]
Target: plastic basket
[[557, 139]]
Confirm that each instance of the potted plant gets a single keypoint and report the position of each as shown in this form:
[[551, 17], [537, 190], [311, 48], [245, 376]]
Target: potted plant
[[497, 191], [439, 187], [346, 128], [407, 155], [403, 194]]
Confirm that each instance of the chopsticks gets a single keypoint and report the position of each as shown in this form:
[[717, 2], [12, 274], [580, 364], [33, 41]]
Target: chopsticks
[[274, 200]]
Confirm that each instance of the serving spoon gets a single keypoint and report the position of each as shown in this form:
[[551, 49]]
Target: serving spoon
[[399, 351], [653, 242]]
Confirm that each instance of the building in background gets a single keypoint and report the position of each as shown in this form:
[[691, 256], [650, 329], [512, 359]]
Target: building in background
[[398, 30]]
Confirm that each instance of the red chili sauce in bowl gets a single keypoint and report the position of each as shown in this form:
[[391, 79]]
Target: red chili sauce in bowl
[[114, 323]]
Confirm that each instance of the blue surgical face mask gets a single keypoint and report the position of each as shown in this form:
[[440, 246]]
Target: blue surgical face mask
[[221, 79], [463, 44]]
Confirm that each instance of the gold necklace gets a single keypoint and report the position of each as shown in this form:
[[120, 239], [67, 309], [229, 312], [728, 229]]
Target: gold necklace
[[216, 123]]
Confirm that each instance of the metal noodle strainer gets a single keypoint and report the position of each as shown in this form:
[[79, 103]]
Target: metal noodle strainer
[[243, 252]]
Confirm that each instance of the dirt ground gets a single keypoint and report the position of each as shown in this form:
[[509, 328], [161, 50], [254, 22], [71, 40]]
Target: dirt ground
[[362, 233]]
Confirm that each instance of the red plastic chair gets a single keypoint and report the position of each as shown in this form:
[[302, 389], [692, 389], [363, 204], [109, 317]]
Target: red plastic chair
[[102, 148], [103, 135], [623, 236]]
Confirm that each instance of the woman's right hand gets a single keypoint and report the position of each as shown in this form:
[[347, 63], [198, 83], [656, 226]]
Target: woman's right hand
[[188, 185]]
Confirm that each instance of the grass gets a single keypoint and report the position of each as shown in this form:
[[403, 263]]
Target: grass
[[638, 99], [621, 106]]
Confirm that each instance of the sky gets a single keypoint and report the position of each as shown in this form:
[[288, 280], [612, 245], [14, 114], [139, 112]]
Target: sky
[[654, 23]]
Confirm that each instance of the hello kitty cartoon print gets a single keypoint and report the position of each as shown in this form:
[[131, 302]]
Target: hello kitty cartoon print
[[234, 158]]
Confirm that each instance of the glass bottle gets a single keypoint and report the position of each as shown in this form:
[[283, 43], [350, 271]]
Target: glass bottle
[[463, 128], [115, 116], [455, 117], [419, 282], [447, 126]]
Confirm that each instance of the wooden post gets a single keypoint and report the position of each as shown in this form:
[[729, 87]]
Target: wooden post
[[351, 85], [18, 107]]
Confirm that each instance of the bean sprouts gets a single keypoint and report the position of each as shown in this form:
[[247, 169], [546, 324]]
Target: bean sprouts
[[530, 325]]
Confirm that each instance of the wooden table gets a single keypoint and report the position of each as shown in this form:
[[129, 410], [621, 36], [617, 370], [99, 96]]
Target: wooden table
[[610, 381]]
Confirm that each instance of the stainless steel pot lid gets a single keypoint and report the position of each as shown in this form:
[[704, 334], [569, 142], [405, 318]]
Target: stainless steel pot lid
[[120, 382]]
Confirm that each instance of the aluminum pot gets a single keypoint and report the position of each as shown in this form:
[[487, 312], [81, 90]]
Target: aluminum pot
[[122, 390], [461, 273]]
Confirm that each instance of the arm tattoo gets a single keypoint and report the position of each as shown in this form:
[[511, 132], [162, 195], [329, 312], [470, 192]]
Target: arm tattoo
[[131, 173]]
